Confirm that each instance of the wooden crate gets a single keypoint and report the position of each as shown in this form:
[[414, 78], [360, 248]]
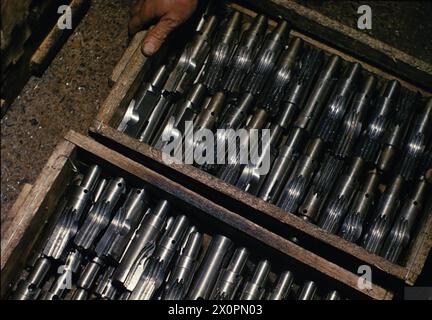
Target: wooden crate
[[309, 28], [30, 40], [38, 205]]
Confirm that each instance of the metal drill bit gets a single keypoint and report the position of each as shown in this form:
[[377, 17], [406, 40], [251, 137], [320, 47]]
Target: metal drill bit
[[335, 110], [67, 226], [333, 295], [190, 230], [122, 226], [320, 188], [153, 274], [318, 96], [209, 116], [29, 288], [209, 269], [251, 179], [192, 58], [415, 146], [207, 119], [225, 42], [299, 180], [141, 246], [156, 117], [186, 110], [140, 108], [397, 131], [100, 214], [353, 121], [376, 234], [80, 294], [426, 162], [105, 288], [370, 140], [230, 278], [255, 288], [400, 234], [244, 55], [64, 281], [180, 277], [296, 92], [274, 90], [234, 117], [308, 291], [282, 287], [231, 171], [99, 189], [266, 59], [352, 226], [88, 276], [341, 197]]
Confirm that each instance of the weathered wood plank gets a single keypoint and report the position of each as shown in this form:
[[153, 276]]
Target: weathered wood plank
[[39, 204], [55, 39], [120, 95], [134, 45], [14, 215], [420, 249], [35, 198]]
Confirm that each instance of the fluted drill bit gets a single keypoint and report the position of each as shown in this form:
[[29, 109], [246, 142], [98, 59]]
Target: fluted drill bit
[[308, 291], [224, 43], [254, 289], [266, 59], [206, 275], [282, 287], [371, 138], [100, 215], [180, 278], [230, 277], [353, 223], [140, 108], [141, 246], [244, 55], [417, 141], [153, 274], [354, 120], [376, 234], [400, 234]]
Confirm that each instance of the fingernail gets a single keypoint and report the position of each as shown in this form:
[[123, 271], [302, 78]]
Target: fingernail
[[148, 48]]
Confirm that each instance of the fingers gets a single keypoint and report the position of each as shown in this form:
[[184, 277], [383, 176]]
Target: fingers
[[171, 14], [157, 35], [142, 12], [429, 175]]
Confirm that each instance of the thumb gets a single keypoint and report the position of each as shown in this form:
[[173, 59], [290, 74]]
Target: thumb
[[157, 35]]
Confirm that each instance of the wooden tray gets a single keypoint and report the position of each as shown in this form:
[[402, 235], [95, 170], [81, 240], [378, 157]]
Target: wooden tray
[[135, 67], [24, 236]]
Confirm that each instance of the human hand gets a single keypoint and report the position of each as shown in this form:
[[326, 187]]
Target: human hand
[[168, 15]]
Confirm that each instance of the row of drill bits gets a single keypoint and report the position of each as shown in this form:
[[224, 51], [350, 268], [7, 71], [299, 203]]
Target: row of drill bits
[[109, 242], [335, 139]]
